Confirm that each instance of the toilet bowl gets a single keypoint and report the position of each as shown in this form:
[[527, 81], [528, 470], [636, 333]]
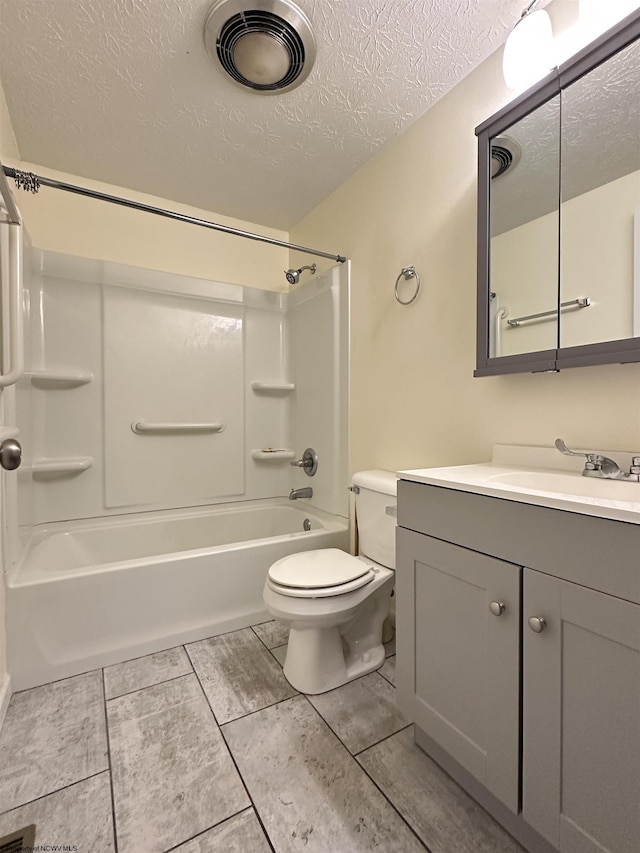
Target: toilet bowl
[[335, 604]]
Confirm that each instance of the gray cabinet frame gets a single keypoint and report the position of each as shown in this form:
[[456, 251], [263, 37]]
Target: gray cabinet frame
[[607, 352]]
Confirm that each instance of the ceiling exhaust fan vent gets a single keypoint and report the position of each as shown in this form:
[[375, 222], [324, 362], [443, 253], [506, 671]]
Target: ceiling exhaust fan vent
[[505, 154], [264, 45]]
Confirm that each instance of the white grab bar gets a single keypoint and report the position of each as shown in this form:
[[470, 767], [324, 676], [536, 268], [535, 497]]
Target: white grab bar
[[143, 426], [12, 303]]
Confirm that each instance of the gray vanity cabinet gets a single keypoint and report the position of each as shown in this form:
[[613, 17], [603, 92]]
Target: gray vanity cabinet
[[581, 717], [465, 693], [539, 703]]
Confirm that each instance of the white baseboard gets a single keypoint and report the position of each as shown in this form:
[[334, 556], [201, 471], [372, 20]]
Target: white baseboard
[[5, 696]]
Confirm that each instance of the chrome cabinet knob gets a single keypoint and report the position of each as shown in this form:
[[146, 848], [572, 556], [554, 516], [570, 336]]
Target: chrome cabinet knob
[[10, 454], [497, 608], [537, 624]]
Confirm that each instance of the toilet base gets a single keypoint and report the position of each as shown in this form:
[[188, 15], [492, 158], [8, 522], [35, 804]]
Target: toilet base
[[323, 658], [316, 661]]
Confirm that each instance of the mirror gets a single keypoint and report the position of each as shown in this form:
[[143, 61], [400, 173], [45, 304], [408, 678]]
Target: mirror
[[524, 220], [600, 187], [559, 216]]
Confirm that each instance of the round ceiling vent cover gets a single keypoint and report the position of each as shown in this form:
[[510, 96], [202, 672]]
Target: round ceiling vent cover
[[265, 45], [505, 154]]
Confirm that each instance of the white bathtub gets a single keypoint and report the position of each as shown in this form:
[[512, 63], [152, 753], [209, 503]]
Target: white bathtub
[[91, 593]]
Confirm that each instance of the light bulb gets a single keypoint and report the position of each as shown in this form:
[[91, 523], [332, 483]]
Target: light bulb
[[528, 52]]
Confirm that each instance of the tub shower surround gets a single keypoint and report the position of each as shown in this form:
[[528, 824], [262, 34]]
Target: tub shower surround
[[158, 416]]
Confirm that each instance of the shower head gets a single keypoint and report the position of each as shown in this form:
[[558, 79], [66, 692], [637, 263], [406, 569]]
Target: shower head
[[293, 276]]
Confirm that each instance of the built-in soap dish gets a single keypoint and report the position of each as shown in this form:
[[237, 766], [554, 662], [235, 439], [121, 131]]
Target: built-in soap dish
[[52, 379], [48, 468]]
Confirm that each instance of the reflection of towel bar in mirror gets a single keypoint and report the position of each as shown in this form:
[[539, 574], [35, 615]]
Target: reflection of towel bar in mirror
[[145, 427], [582, 302]]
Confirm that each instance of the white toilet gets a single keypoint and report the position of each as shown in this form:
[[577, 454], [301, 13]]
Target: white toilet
[[335, 604]]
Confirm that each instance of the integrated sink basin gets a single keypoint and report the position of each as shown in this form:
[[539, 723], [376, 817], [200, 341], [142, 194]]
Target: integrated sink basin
[[570, 484], [541, 476]]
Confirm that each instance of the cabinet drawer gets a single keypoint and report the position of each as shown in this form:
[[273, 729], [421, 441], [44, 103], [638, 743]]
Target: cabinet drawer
[[594, 552]]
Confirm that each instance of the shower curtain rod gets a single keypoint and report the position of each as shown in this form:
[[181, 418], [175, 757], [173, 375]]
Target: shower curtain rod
[[32, 182]]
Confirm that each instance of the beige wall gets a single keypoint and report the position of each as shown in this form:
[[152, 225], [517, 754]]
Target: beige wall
[[8, 145], [64, 222], [414, 400]]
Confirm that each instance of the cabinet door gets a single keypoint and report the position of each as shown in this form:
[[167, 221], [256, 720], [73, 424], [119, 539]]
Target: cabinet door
[[581, 716], [458, 664]]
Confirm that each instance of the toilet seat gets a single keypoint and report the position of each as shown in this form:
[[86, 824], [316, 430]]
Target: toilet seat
[[318, 574]]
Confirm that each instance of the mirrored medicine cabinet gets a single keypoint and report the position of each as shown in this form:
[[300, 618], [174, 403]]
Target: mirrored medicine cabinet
[[559, 216]]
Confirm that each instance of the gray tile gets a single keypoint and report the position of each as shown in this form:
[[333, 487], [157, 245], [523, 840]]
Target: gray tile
[[172, 774], [144, 672], [362, 712], [272, 633], [238, 674], [388, 669], [238, 834], [52, 736], [279, 653], [78, 816], [309, 792], [442, 814]]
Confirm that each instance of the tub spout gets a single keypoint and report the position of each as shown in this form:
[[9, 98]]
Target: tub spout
[[294, 494]]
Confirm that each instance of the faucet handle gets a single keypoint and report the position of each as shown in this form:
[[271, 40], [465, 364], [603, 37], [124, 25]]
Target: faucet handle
[[308, 463], [594, 460], [635, 465], [562, 447]]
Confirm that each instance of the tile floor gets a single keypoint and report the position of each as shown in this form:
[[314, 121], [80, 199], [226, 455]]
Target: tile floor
[[208, 748]]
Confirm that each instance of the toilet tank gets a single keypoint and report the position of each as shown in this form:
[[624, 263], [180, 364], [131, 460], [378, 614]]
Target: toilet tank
[[376, 528]]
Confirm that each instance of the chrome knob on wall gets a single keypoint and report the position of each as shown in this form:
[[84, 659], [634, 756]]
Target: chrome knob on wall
[[10, 454], [309, 462]]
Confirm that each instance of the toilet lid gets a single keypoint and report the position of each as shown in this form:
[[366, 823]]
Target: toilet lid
[[315, 570], [324, 591]]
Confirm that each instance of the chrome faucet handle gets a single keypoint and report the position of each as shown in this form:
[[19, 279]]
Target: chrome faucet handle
[[562, 447], [596, 465], [594, 460], [308, 463], [634, 470]]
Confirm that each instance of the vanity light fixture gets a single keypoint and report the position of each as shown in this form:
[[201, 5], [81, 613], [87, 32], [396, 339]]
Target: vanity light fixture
[[528, 51]]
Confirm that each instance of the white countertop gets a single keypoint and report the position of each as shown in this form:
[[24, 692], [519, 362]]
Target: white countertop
[[541, 476]]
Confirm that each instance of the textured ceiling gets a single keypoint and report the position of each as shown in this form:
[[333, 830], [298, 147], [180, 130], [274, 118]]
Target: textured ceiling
[[123, 91]]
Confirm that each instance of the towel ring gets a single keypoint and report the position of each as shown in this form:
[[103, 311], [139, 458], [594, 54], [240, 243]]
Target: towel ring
[[407, 273]]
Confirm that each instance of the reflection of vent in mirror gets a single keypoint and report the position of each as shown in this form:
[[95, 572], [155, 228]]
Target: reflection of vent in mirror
[[505, 154]]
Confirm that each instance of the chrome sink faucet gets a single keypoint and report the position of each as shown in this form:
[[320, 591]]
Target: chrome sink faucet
[[601, 466]]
